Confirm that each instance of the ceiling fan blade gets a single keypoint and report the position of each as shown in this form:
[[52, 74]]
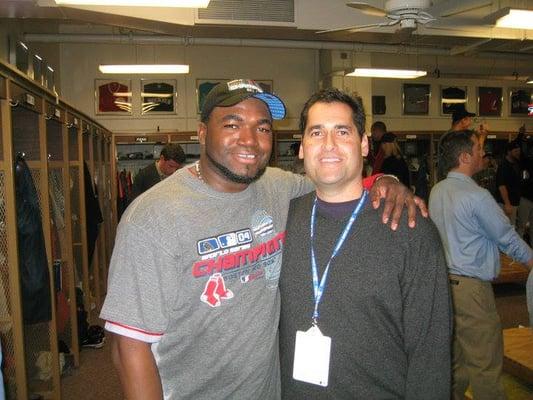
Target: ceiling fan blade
[[359, 28], [367, 9], [382, 24], [457, 24], [450, 8]]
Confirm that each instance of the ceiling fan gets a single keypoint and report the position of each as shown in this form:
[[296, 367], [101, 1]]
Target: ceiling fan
[[408, 14]]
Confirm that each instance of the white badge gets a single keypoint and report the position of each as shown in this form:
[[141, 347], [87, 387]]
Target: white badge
[[311, 357]]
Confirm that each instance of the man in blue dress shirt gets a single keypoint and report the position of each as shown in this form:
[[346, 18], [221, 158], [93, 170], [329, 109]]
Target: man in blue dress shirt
[[473, 229]]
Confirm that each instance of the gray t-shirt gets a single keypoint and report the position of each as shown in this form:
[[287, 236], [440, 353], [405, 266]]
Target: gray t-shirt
[[195, 272]]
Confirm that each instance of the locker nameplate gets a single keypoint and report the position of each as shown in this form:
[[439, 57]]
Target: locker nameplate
[[30, 99]]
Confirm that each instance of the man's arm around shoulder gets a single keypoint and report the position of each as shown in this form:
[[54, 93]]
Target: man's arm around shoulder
[[137, 369]]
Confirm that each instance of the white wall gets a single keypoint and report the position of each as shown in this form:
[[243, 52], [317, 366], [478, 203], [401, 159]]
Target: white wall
[[392, 88], [294, 74], [395, 121]]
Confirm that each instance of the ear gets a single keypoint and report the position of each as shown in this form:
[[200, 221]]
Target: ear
[[301, 151], [364, 145], [202, 132], [464, 158]]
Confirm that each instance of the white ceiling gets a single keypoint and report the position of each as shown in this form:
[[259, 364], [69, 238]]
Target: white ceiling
[[309, 17]]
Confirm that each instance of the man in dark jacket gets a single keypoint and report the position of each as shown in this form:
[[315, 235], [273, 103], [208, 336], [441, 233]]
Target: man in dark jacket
[[171, 159]]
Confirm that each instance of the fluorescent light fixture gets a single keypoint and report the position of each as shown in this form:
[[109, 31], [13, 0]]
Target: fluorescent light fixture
[[516, 19], [38, 57], [144, 69], [50, 68], [138, 3], [387, 73], [24, 45], [159, 95], [529, 81], [454, 101]]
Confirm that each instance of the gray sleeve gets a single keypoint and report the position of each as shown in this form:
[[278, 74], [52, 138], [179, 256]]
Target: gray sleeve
[[140, 292], [427, 316], [294, 185]]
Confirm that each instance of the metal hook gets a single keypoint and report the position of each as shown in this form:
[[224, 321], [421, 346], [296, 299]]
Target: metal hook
[[48, 117], [13, 103]]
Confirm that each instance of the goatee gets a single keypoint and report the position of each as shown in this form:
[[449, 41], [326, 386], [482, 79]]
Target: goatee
[[233, 177]]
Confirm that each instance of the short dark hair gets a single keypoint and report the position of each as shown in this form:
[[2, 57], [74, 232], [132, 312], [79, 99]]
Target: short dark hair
[[333, 95], [173, 151], [379, 125], [451, 146]]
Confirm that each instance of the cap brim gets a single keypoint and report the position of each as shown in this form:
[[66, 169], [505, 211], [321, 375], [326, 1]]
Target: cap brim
[[275, 105]]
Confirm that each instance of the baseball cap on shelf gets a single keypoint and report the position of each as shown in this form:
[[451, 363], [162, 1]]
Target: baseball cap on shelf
[[461, 113], [227, 94]]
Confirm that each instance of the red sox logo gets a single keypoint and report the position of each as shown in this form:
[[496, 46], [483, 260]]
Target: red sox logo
[[215, 291]]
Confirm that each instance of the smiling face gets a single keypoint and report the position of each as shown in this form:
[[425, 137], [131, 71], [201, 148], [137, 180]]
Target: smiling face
[[237, 142], [333, 150]]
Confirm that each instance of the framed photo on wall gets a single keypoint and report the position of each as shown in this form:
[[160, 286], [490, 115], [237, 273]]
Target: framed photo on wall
[[379, 105], [158, 96], [452, 97], [203, 87], [489, 101], [113, 96], [416, 99], [519, 101]]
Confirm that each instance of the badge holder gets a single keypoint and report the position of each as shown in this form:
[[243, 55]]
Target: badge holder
[[311, 357]]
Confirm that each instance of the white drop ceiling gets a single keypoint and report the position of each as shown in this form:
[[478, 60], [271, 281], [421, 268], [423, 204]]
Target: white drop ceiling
[[473, 34]]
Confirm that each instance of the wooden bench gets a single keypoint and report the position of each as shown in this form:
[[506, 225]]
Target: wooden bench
[[511, 271], [518, 353]]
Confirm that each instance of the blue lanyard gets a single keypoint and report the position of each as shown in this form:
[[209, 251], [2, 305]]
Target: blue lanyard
[[318, 289]]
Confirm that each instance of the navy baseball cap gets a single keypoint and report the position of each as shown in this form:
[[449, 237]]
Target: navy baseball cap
[[227, 94], [461, 113]]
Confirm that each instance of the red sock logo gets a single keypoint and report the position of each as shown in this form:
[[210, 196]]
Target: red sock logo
[[215, 290]]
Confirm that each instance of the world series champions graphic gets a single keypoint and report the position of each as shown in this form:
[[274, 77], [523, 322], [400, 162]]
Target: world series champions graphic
[[239, 257]]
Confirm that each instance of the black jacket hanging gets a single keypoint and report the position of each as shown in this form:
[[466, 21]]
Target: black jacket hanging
[[93, 214], [33, 264]]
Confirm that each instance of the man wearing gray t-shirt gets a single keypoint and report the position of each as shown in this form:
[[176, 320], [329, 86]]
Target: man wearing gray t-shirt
[[192, 296]]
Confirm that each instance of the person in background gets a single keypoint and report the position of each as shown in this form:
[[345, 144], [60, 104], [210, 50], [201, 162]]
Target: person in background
[[172, 158], [473, 228], [524, 214], [192, 299], [393, 161], [486, 178], [509, 181], [385, 308], [461, 119], [377, 130]]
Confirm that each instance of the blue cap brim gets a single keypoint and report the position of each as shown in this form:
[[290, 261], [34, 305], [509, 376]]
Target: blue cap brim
[[275, 105]]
